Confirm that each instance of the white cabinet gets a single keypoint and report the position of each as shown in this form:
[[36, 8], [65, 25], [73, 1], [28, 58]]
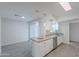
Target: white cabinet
[[59, 40], [40, 49]]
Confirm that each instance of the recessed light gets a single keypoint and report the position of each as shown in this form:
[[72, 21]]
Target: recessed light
[[17, 15], [37, 11], [65, 5], [51, 20], [44, 14]]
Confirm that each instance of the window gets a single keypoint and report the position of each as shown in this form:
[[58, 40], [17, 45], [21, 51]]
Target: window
[[34, 29], [55, 27]]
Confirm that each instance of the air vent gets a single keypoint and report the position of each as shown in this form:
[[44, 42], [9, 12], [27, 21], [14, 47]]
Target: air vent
[[19, 16]]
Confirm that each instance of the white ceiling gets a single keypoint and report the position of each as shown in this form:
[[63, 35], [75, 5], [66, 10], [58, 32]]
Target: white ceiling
[[28, 9]]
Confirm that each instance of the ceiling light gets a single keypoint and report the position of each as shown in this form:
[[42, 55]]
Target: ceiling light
[[37, 11], [44, 14], [22, 17], [19, 16], [65, 5]]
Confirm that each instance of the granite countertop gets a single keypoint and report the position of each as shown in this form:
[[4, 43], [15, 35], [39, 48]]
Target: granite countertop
[[46, 37], [41, 39]]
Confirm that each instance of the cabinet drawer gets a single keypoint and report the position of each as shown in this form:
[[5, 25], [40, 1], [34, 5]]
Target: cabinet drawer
[[59, 40], [42, 48], [48, 45]]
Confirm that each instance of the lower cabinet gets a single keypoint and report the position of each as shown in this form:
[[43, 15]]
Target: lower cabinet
[[59, 40], [40, 49]]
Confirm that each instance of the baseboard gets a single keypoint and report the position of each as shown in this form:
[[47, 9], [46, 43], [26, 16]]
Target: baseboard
[[74, 41], [13, 43]]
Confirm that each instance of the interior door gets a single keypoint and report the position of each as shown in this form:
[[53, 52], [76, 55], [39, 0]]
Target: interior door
[[74, 32]]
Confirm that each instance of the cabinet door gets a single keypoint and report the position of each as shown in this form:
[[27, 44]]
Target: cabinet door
[[35, 49], [38, 49], [42, 48], [59, 40], [49, 45]]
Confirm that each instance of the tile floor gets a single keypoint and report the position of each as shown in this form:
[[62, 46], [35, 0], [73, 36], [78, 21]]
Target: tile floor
[[71, 50], [23, 50]]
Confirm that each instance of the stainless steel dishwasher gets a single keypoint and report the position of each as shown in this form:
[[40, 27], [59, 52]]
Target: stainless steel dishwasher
[[55, 42]]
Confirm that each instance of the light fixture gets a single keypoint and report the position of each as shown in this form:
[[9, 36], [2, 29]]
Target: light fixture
[[22, 17], [44, 14], [65, 5], [37, 11], [19, 16]]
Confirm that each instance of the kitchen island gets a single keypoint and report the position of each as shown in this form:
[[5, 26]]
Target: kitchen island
[[43, 45]]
